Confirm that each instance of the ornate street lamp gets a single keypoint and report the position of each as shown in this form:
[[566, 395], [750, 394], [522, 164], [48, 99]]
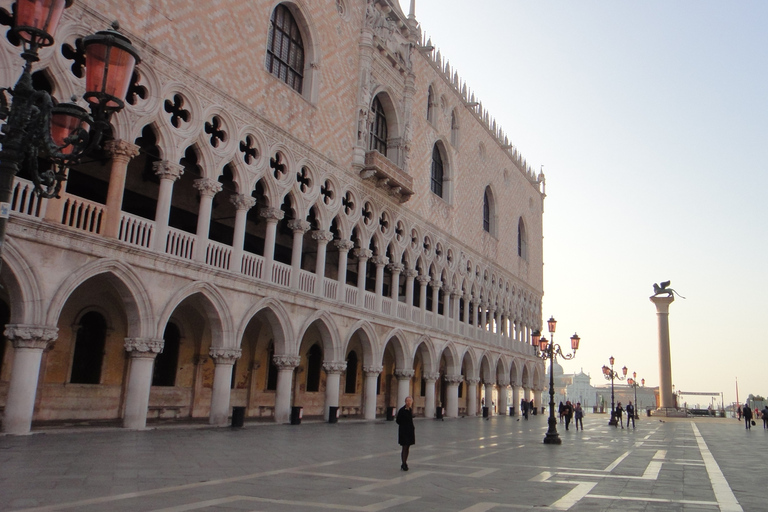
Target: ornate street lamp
[[35, 127], [610, 374], [548, 351]]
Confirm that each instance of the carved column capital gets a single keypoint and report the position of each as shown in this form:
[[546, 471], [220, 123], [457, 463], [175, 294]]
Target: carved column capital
[[144, 347], [242, 202], [272, 214], [372, 369], [473, 382], [166, 170], [363, 254], [423, 280], [207, 187], [436, 283], [223, 355], [322, 235], [405, 373], [396, 268], [286, 362], [504, 382], [121, 149], [299, 226], [454, 379], [334, 366], [31, 336], [380, 261], [344, 245], [411, 272], [431, 376]]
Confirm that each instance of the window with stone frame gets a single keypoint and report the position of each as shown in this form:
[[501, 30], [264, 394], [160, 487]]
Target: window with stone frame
[[437, 172], [285, 48], [522, 240], [378, 136], [486, 213]]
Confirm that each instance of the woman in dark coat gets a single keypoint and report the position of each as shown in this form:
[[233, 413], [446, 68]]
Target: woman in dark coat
[[406, 433]]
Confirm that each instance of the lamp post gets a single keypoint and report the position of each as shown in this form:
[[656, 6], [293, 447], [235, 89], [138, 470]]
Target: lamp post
[[610, 374], [35, 126], [548, 351], [632, 381]]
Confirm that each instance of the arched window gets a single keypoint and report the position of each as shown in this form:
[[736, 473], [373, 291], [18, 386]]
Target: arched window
[[522, 240], [167, 361], [437, 171], [314, 365], [454, 129], [350, 386], [285, 48], [378, 136], [89, 349], [489, 211], [272, 372]]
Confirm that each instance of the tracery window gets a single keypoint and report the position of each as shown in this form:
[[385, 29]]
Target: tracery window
[[486, 213], [285, 48], [378, 136], [522, 240], [437, 172]]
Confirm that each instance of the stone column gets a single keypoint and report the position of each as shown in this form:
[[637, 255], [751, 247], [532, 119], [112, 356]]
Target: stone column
[[515, 397], [272, 216], [169, 173], [394, 289], [208, 188], [122, 152], [666, 400], [285, 366], [455, 294], [503, 384], [143, 352], [369, 397], [344, 246], [467, 301], [409, 275], [489, 397], [423, 281], [299, 227], [403, 384], [476, 313], [242, 204], [322, 237], [537, 399], [452, 395], [472, 397], [363, 255], [380, 262], [333, 370], [436, 285], [429, 400], [224, 359], [29, 342], [483, 316], [447, 305]]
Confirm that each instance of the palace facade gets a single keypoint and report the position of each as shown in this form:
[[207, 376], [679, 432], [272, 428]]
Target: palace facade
[[302, 205]]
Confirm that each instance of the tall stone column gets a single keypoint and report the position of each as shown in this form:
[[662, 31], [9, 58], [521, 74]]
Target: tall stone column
[[452, 395], [515, 397], [322, 237], [476, 312], [483, 316], [169, 173], [423, 282], [272, 216], [242, 204], [380, 262], [503, 384], [467, 301], [122, 152], [410, 273], [208, 188], [363, 255], [436, 285], [447, 305], [455, 295], [333, 370], [404, 377], [369, 397], [29, 342], [285, 366], [224, 359], [394, 288], [489, 397], [299, 227], [344, 246], [429, 400], [537, 399], [472, 397], [143, 352], [665, 361]]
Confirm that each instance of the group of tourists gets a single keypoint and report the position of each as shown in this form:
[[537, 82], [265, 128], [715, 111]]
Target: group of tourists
[[747, 413], [567, 411]]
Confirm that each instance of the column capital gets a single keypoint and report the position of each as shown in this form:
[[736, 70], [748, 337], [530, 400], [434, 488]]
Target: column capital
[[334, 366], [272, 214], [344, 245], [455, 292], [403, 374], [207, 186], [121, 149], [31, 336], [224, 355], [662, 303], [396, 268], [436, 283], [380, 261], [144, 347], [423, 280], [372, 369], [363, 254], [242, 202], [299, 226], [454, 379], [432, 376], [286, 362], [502, 382], [166, 170], [411, 272], [322, 235], [473, 381]]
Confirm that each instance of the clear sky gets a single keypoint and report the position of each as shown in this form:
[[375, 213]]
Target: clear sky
[[651, 121]]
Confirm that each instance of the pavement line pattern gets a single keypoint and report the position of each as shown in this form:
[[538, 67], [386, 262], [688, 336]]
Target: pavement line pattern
[[725, 497]]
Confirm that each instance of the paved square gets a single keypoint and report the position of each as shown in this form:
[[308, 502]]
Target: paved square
[[468, 465]]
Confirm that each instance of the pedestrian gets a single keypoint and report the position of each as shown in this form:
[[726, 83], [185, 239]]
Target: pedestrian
[[579, 412], [630, 414], [765, 417], [619, 412], [746, 413], [738, 413], [524, 407], [567, 413], [560, 409], [406, 433], [532, 407]]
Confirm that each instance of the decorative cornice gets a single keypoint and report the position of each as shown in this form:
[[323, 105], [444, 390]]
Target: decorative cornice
[[334, 366], [144, 347], [223, 355], [286, 362], [31, 336], [405, 374]]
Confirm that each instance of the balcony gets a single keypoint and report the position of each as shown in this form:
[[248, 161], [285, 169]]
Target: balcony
[[385, 174]]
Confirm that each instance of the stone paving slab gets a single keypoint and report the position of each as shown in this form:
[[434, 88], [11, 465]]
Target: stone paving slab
[[466, 465]]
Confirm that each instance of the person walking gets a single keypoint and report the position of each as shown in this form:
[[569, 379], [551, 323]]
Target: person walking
[[524, 407], [619, 412], [567, 413], [630, 414], [579, 413], [746, 413], [765, 417], [406, 433], [560, 409]]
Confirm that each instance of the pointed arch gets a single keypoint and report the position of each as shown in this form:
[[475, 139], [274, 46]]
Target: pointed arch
[[216, 310], [329, 332], [372, 355], [279, 320]]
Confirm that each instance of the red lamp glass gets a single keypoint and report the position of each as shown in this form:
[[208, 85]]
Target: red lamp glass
[[642, 381], [109, 63], [624, 371], [606, 370], [575, 342], [66, 120], [611, 359], [551, 324], [543, 342], [37, 20], [535, 337]]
